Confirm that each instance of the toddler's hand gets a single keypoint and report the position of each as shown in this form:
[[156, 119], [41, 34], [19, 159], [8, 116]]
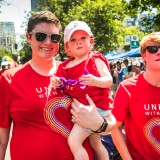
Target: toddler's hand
[[88, 79], [55, 82]]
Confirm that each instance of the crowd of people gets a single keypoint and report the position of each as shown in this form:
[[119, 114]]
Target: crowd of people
[[124, 69], [59, 110], [7, 66]]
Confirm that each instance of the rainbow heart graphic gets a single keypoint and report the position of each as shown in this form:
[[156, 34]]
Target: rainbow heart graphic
[[57, 115], [148, 131]]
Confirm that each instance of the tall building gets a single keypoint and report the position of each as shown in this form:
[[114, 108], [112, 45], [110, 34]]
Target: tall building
[[34, 4], [7, 36]]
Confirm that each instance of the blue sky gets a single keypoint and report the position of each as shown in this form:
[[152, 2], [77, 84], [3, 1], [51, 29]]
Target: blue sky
[[15, 12]]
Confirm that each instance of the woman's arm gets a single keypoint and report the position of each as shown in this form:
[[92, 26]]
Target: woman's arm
[[88, 116], [4, 137]]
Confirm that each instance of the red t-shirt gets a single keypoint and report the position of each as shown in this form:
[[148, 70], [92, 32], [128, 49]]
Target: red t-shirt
[[138, 106], [1, 72], [39, 131], [100, 96]]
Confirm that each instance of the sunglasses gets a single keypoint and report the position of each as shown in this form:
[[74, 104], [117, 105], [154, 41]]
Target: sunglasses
[[41, 37], [152, 49]]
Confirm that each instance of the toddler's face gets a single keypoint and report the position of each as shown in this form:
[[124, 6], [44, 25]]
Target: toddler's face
[[79, 44]]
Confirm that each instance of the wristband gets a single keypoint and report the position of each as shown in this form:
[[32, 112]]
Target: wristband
[[103, 126]]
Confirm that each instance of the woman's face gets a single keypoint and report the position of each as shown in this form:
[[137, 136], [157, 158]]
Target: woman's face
[[46, 49]]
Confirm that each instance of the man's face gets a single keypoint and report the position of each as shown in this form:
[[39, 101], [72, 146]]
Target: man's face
[[152, 60]]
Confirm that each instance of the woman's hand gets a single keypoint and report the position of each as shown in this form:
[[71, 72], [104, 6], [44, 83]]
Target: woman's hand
[[88, 116]]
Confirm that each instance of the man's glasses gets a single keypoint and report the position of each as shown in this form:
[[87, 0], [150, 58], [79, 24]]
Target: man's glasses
[[152, 49], [41, 37]]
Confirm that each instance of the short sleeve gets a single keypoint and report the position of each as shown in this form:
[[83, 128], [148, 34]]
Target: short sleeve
[[5, 120], [121, 103]]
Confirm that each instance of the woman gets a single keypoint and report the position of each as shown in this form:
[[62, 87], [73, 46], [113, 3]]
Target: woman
[[26, 100]]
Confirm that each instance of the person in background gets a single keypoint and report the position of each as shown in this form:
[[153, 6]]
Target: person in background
[[136, 106], [119, 72], [9, 66], [40, 115], [125, 68], [114, 77], [4, 68], [90, 70], [136, 68], [142, 67]]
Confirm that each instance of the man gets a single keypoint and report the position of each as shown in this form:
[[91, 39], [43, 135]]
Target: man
[[137, 106]]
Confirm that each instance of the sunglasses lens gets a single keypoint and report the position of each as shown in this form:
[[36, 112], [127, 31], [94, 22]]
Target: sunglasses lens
[[40, 36], [152, 49], [55, 38]]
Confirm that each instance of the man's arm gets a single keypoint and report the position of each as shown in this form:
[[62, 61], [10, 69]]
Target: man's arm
[[4, 137], [119, 141]]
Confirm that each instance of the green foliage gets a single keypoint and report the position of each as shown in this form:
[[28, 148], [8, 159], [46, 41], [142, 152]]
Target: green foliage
[[139, 6], [5, 52], [131, 31], [104, 17], [26, 51]]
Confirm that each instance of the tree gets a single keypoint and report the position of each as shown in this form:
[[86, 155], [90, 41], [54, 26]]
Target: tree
[[26, 51], [131, 31], [139, 6], [5, 52], [104, 17]]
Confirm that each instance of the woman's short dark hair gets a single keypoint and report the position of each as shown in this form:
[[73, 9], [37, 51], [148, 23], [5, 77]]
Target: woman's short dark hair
[[43, 16]]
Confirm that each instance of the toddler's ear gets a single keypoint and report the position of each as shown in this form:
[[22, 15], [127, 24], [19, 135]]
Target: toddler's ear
[[92, 40], [67, 50]]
